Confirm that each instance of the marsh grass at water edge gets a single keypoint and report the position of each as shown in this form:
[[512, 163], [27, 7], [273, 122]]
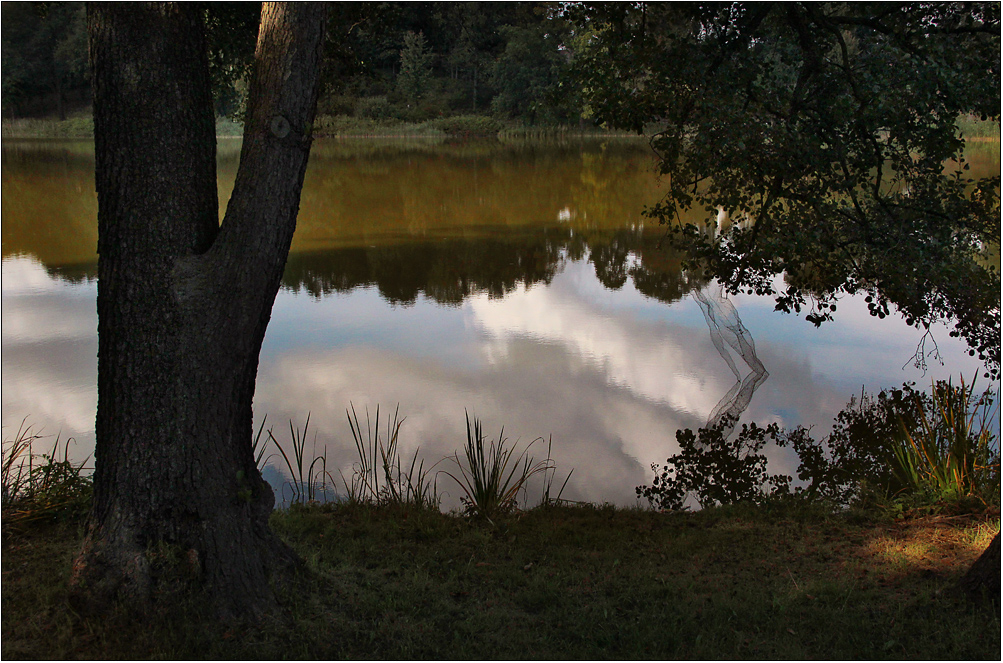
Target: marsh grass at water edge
[[493, 476], [41, 485]]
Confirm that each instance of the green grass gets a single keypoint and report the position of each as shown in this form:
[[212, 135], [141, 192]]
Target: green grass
[[952, 452], [973, 127], [586, 582], [81, 126], [345, 125], [40, 485]]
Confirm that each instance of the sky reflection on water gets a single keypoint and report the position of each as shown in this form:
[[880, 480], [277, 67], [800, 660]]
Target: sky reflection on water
[[557, 318]]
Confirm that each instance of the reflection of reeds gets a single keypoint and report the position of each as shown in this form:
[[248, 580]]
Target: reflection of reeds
[[950, 450], [38, 486], [493, 474]]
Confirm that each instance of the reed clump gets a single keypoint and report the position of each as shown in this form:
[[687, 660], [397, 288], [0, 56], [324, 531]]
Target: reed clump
[[381, 476], [41, 486], [950, 450], [493, 475]]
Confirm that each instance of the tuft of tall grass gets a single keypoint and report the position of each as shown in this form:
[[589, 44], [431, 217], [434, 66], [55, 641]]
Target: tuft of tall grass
[[493, 474], [951, 450], [549, 474], [309, 482], [40, 486], [379, 458]]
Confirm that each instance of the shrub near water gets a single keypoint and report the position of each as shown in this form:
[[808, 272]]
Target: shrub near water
[[900, 449]]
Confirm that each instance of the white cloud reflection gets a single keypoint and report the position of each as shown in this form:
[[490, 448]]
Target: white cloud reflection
[[49, 368], [609, 375]]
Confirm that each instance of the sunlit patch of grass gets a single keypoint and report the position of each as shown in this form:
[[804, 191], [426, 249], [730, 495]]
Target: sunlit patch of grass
[[980, 534]]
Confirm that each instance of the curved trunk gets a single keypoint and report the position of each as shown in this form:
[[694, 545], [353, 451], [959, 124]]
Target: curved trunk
[[183, 302], [982, 581]]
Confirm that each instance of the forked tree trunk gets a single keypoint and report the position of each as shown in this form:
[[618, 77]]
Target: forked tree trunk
[[183, 301]]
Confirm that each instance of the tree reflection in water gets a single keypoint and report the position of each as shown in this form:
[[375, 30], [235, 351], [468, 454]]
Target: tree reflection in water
[[726, 328], [449, 271]]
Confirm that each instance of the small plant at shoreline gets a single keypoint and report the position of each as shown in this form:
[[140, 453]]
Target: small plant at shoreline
[[900, 451], [493, 474], [39, 486], [413, 487], [549, 474], [304, 487], [949, 451]]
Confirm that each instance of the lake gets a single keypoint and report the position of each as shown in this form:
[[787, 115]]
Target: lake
[[517, 282]]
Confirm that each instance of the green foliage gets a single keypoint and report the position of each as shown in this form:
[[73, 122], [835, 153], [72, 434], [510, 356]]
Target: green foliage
[[951, 451], [492, 475], [44, 48], [466, 125], [416, 68], [529, 75], [900, 450], [231, 34], [827, 131], [905, 445], [40, 486], [716, 470]]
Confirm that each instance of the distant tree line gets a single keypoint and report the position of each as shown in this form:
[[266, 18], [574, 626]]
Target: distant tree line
[[44, 58], [383, 60]]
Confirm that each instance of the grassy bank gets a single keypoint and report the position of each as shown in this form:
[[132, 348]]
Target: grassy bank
[[82, 126], [463, 126], [781, 581]]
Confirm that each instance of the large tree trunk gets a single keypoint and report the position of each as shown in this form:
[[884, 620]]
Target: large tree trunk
[[183, 301], [981, 583]]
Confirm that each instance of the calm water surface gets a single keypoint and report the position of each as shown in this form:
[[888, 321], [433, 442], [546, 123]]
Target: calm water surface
[[516, 282]]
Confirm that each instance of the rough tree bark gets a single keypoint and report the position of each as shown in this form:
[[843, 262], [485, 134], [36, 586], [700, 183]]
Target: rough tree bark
[[183, 301], [982, 581]]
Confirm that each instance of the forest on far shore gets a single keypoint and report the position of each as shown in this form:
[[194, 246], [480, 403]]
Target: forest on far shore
[[384, 62]]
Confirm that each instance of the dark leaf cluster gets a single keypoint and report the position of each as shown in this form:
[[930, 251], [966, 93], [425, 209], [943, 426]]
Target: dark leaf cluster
[[826, 134], [890, 448], [715, 469]]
